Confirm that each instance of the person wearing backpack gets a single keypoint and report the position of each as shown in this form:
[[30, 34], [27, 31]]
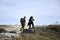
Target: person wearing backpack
[[23, 22]]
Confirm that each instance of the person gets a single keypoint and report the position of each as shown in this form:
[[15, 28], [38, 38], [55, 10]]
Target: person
[[31, 19], [23, 22]]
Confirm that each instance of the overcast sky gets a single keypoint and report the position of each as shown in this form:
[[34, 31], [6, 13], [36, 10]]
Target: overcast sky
[[44, 11]]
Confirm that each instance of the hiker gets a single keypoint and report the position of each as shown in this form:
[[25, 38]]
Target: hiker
[[30, 23], [23, 22]]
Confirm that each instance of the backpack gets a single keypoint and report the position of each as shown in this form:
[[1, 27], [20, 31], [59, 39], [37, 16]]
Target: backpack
[[22, 20]]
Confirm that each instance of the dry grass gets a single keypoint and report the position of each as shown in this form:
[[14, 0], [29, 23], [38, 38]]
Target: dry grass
[[54, 27], [41, 33], [2, 30]]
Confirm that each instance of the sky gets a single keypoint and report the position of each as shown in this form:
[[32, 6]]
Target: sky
[[43, 11]]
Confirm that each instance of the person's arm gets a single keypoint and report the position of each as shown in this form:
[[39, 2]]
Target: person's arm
[[21, 20], [32, 19], [24, 20]]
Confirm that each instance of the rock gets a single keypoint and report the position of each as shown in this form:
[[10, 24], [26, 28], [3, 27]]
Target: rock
[[28, 31], [12, 32], [2, 30]]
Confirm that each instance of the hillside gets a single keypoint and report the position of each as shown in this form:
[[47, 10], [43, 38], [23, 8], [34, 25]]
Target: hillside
[[50, 32]]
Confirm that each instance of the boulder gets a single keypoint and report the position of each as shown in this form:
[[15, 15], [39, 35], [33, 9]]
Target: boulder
[[28, 31]]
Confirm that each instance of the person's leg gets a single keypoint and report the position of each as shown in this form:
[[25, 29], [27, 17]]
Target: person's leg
[[32, 25], [23, 26], [29, 25]]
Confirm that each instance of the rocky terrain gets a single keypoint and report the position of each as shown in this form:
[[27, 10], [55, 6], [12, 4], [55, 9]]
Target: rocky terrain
[[11, 32]]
